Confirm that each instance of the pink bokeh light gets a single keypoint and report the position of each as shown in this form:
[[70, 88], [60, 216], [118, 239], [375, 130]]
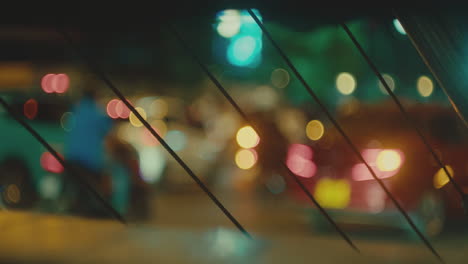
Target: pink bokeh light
[[122, 110], [61, 82], [46, 83], [360, 172], [55, 83], [50, 163], [111, 108], [299, 160]]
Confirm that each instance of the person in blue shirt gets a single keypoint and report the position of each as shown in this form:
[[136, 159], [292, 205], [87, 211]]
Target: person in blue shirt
[[85, 154], [85, 141]]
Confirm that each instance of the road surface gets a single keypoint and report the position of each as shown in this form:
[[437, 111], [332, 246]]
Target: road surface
[[187, 228]]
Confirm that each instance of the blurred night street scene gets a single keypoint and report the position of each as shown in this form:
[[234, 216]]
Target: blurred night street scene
[[226, 132]]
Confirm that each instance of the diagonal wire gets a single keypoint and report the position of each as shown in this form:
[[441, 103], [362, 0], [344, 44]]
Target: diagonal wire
[[403, 110], [431, 69], [94, 68], [344, 135], [41, 140], [247, 119]]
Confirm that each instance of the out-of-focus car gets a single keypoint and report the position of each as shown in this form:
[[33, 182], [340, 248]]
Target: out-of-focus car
[[31, 178], [342, 183], [24, 162]]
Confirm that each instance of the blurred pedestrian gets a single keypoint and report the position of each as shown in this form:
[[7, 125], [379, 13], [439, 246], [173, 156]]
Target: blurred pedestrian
[[85, 153]]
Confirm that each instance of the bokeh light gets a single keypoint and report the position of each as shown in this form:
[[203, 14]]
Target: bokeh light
[[241, 52], [441, 178], [370, 155], [13, 194], [384, 162], [280, 78], [425, 86], [227, 244], [50, 163], [276, 184], [244, 48], [333, 193], [388, 160], [46, 83], [345, 83], [360, 172], [301, 167], [122, 110], [57, 83], [229, 23], [152, 164], [30, 108], [301, 150], [134, 119], [158, 109], [67, 121], [390, 82], [49, 187], [60, 83], [299, 160], [246, 158], [176, 139], [398, 26], [315, 130], [247, 137], [111, 108]]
